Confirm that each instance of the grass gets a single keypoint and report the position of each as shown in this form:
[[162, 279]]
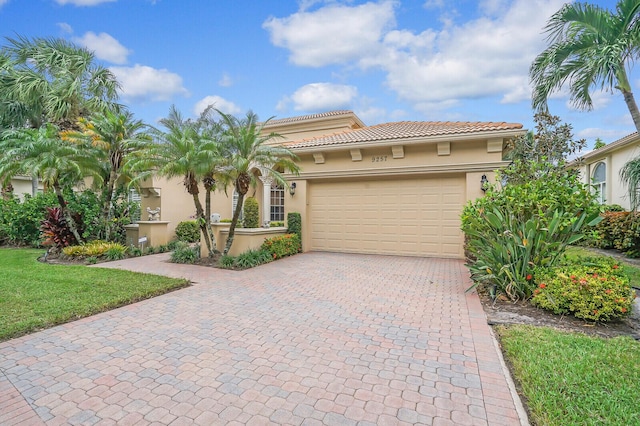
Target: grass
[[35, 295], [574, 379]]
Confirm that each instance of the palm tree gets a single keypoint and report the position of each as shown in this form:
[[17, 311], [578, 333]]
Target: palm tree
[[245, 148], [590, 46], [58, 81], [185, 150], [118, 137], [40, 152], [49, 80]]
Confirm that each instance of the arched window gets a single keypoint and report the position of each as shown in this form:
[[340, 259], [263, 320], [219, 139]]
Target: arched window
[[277, 203], [599, 181]]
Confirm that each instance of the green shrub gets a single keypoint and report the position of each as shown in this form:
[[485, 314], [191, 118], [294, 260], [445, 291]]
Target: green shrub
[[188, 231], [281, 246], [184, 253], [150, 250], [512, 230], [20, 221], [252, 258], [251, 213], [92, 260], [116, 252], [587, 292], [275, 223], [135, 251], [507, 248], [227, 262], [225, 220], [619, 230], [294, 222], [172, 245], [97, 249]]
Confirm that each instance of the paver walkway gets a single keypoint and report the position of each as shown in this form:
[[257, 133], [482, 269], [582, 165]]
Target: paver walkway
[[318, 338]]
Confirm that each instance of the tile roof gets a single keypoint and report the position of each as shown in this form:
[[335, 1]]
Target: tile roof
[[308, 117], [620, 143], [404, 130]]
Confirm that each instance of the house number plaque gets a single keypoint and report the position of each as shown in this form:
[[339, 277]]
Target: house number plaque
[[378, 158]]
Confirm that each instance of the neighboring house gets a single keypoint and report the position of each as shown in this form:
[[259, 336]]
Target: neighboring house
[[601, 168], [393, 188], [22, 185]]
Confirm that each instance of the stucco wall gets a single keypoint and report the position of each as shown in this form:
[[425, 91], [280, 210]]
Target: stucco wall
[[615, 160]]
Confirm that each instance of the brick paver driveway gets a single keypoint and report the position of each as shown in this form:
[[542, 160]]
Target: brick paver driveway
[[318, 338]]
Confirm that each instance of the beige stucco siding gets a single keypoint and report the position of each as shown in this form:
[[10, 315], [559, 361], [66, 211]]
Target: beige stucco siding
[[616, 191], [416, 216]]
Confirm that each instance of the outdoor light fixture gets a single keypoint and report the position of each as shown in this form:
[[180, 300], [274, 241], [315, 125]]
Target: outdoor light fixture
[[483, 183], [292, 188]]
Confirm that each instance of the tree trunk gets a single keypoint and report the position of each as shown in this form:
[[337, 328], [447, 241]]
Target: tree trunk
[[34, 185], [106, 206], [633, 108], [73, 227], [207, 224], [202, 222], [625, 88], [234, 222]]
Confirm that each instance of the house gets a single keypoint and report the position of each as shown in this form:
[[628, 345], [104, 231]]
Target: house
[[394, 188], [601, 168], [22, 185]]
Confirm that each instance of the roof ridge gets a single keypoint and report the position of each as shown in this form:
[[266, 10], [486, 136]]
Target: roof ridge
[[309, 116]]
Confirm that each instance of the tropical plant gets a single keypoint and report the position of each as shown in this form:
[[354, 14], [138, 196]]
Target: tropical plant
[[56, 230], [51, 81], [184, 253], [188, 150], [246, 148], [506, 248], [117, 137], [59, 164], [589, 46]]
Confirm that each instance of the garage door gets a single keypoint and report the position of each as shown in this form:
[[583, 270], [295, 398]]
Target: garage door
[[415, 217]]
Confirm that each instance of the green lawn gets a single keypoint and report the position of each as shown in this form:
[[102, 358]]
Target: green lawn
[[573, 379], [34, 295]]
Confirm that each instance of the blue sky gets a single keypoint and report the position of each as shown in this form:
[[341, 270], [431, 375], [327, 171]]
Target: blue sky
[[387, 60]]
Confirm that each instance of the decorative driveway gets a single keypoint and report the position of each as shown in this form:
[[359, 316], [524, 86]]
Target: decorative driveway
[[318, 338]]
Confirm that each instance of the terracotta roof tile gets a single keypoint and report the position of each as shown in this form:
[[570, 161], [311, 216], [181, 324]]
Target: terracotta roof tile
[[308, 117], [403, 130]]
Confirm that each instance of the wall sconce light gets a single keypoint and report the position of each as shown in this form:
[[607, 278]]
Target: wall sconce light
[[292, 188], [483, 183]]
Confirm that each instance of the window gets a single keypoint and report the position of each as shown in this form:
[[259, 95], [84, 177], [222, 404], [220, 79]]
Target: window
[[599, 181], [234, 204], [277, 204]]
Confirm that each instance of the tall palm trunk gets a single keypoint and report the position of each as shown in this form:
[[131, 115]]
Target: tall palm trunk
[[106, 206], [625, 88], [234, 222], [73, 226], [207, 234]]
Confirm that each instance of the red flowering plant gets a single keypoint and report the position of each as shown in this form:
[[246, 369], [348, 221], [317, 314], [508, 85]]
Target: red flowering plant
[[281, 246], [588, 292]]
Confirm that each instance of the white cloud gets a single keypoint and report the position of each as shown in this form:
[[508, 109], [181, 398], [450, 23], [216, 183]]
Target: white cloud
[[323, 97], [218, 102], [436, 68], [332, 34], [105, 47], [65, 28], [83, 2], [143, 83], [225, 80]]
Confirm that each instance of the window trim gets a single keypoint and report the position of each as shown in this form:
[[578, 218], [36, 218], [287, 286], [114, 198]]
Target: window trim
[[599, 187]]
